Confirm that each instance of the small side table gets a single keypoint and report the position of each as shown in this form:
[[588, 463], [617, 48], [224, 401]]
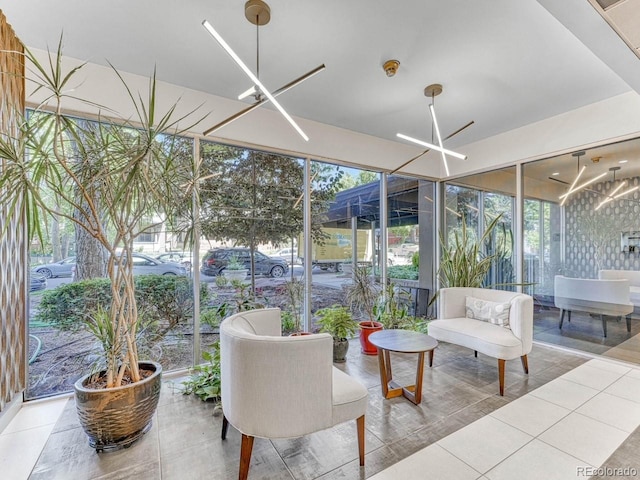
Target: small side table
[[402, 341]]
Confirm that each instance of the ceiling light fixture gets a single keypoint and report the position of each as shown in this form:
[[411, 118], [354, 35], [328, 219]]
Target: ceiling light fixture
[[573, 188], [432, 91], [612, 195], [391, 67], [258, 13]]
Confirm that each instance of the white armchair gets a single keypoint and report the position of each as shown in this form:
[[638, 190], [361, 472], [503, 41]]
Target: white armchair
[[282, 387], [598, 296], [502, 342]]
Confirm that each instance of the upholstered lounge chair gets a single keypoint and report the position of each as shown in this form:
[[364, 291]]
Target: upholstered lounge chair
[[502, 342], [282, 387], [598, 296]]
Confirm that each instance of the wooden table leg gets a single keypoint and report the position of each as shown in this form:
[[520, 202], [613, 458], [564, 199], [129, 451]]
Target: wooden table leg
[[391, 389], [384, 382]]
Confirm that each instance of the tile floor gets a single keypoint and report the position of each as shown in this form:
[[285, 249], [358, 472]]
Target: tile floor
[[567, 428], [570, 412]]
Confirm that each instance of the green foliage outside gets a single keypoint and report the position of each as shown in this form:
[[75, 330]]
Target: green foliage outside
[[404, 272], [163, 301], [204, 381]]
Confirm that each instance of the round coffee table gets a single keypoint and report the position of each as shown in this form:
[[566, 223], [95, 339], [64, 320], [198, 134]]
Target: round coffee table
[[402, 341]]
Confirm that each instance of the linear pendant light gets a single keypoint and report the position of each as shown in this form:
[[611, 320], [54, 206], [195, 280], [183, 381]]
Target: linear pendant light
[[612, 195], [432, 91], [252, 77]]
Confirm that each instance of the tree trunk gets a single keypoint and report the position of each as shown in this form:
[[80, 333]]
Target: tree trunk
[[91, 258], [56, 249]]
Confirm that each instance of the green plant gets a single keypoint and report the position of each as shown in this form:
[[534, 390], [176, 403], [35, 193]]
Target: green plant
[[204, 381], [288, 322], [214, 315], [407, 272], [234, 263], [362, 293], [221, 281], [166, 301], [337, 321], [390, 308], [105, 177], [294, 290], [465, 264], [415, 260]]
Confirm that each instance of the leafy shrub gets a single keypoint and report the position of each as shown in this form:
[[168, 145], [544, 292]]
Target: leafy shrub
[[415, 259], [204, 381], [163, 300], [407, 272]]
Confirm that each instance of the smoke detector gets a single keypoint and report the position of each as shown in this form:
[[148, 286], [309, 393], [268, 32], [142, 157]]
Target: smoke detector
[[391, 67]]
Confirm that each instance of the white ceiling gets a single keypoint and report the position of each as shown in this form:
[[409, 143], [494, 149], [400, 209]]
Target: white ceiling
[[503, 64]]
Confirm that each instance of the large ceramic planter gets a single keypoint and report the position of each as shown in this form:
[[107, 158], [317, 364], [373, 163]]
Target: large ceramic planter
[[340, 348], [231, 275], [117, 417], [366, 329]]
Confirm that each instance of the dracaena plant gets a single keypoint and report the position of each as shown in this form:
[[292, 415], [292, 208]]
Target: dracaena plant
[[107, 177]]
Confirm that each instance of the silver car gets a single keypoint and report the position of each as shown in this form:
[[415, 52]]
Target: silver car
[[146, 265], [63, 268]]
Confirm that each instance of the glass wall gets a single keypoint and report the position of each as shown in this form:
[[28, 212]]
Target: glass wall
[[581, 218], [411, 240], [68, 278], [477, 201]]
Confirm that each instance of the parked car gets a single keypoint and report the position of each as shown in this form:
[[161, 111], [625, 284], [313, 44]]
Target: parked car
[[146, 265], [183, 258], [63, 268], [215, 261], [37, 282], [285, 254]]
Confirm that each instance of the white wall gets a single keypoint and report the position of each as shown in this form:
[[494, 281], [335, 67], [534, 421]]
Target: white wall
[[598, 123]]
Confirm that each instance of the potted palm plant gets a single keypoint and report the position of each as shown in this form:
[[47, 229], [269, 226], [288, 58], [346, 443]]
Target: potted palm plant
[[234, 270], [108, 178], [338, 322], [361, 295]]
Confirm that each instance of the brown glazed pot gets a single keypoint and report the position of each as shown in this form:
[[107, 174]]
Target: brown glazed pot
[[366, 329], [117, 417]]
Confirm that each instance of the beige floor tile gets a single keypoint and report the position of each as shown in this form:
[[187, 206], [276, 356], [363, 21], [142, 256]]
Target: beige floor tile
[[20, 450], [608, 365], [531, 414], [627, 387], [432, 462], [485, 443], [612, 410], [37, 414], [565, 393], [584, 438], [536, 461], [592, 377]]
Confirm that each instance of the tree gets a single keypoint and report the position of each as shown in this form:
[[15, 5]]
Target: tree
[[252, 197]]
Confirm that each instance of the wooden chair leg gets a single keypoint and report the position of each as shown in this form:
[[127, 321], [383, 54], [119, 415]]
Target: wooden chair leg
[[245, 456], [360, 424], [525, 364], [501, 375], [561, 318], [475, 353], [604, 325], [629, 323], [225, 427]]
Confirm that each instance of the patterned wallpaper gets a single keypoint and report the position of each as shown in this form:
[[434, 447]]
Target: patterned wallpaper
[[593, 238]]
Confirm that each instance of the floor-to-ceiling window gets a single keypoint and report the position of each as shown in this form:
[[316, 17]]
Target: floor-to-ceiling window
[[580, 218], [477, 201]]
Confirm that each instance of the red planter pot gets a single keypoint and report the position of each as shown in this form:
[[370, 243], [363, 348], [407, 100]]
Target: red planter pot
[[366, 329]]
